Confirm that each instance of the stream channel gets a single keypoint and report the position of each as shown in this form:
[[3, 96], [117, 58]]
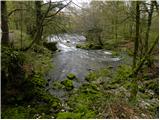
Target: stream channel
[[69, 59]]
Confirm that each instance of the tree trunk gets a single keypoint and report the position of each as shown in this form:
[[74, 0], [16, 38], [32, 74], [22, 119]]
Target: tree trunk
[[134, 88], [149, 25], [38, 22], [4, 23], [136, 43]]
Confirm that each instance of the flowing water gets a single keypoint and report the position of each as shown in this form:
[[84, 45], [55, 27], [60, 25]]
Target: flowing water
[[69, 59]]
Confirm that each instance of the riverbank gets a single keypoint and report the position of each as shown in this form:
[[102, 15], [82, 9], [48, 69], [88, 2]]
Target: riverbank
[[23, 90]]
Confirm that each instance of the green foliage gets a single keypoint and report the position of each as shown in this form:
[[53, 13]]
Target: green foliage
[[68, 84], [71, 76], [153, 85], [122, 74], [16, 39], [43, 96], [68, 115], [39, 58], [92, 76], [130, 52], [82, 101], [19, 112], [11, 59], [24, 71], [115, 53], [38, 80]]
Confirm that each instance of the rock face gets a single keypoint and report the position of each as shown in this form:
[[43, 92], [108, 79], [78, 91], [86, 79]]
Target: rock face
[[51, 45]]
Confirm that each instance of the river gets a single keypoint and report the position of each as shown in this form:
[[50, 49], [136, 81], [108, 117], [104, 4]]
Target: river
[[69, 59]]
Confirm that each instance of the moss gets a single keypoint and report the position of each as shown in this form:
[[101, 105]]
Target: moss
[[57, 85], [19, 112], [122, 74], [39, 62], [92, 76], [38, 80], [84, 99], [68, 84], [110, 86], [71, 76], [68, 115]]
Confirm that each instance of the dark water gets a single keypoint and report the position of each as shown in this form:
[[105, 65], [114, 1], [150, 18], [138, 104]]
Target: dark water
[[77, 61]]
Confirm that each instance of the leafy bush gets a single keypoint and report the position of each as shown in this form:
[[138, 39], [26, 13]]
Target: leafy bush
[[38, 80]]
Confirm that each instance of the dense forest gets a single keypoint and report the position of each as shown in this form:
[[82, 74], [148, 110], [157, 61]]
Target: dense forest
[[70, 60]]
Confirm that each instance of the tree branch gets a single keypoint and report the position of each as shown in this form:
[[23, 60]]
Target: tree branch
[[59, 10], [10, 13]]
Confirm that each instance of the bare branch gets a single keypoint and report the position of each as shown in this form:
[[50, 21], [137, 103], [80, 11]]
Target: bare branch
[[10, 13], [59, 10]]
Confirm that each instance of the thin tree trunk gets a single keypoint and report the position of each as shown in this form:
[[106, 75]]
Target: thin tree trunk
[[4, 23], [134, 88], [38, 21], [136, 43], [149, 25]]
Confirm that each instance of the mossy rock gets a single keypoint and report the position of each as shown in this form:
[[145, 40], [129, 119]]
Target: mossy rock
[[68, 84], [51, 45], [57, 85], [71, 76]]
